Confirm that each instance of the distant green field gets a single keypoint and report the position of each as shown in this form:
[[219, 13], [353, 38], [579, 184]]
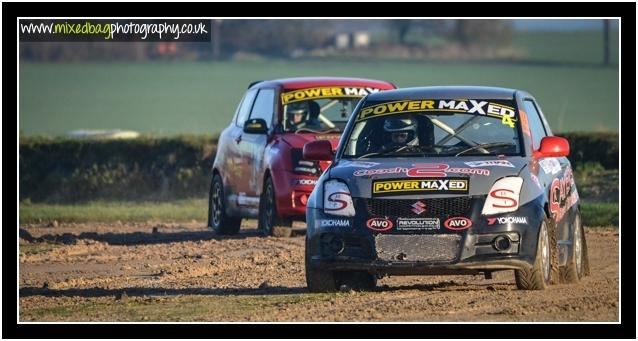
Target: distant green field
[[200, 97]]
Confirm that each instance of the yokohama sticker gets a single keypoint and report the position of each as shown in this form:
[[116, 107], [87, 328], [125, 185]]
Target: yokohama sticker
[[334, 223], [457, 223], [507, 220], [379, 224]]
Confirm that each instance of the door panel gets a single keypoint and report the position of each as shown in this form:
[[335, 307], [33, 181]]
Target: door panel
[[252, 148], [236, 163]]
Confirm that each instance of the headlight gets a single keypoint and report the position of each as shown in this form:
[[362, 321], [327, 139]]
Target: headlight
[[337, 199], [504, 196]]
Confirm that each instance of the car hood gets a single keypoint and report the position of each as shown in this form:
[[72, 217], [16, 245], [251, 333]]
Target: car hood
[[299, 140], [481, 172]]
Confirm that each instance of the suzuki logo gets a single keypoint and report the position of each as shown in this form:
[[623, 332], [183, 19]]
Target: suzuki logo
[[418, 207]]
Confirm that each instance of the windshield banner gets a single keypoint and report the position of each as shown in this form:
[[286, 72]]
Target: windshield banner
[[325, 92], [472, 106]]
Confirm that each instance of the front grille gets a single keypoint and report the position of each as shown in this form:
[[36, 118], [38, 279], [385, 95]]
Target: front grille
[[419, 248], [444, 207]]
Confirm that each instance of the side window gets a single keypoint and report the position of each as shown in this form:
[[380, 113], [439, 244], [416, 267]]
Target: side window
[[244, 107], [535, 123], [264, 107]]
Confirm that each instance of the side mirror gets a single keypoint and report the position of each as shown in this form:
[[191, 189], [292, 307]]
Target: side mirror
[[318, 151], [554, 146], [256, 126]]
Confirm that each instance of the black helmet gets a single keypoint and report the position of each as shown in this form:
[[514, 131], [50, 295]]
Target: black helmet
[[400, 127]]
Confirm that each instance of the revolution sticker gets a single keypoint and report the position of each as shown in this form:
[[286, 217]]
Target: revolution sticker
[[418, 224], [325, 92], [412, 186]]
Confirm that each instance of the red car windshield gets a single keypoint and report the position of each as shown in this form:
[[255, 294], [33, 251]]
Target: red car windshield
[[320, 109]]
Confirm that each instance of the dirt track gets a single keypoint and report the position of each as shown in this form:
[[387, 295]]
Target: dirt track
[[183, 272]]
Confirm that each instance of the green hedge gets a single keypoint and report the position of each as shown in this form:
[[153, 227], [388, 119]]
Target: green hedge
[[590, 147], [58, 170], [71, 170]]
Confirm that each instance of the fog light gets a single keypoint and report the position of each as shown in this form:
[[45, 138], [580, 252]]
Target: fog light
[[336, 245], [304, 199], [502, 243]]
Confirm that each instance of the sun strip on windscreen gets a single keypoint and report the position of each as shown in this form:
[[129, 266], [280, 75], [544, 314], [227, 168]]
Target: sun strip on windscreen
[[472, 106], [298, 95]]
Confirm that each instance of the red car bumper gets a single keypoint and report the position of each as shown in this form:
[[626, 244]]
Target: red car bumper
[[292, 192]]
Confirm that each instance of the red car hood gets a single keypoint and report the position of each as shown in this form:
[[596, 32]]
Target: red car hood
[[299, 140]]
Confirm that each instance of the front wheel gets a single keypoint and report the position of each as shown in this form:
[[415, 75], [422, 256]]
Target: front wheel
[[218, 220], [539, 276], [269, 221]]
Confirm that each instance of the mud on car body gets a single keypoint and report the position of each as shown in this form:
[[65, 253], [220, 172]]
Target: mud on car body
[[444, 180], [259, 171]]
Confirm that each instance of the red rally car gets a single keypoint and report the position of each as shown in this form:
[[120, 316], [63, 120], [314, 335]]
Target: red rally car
[[259, 171]]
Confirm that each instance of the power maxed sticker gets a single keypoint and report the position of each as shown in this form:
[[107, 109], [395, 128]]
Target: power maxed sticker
[[492, 108], [325, 92], [412, 186]]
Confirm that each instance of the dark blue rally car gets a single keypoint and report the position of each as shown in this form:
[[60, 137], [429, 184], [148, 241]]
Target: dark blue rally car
[[444, 180]]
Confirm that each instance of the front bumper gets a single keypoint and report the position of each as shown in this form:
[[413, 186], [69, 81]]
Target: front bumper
[[482, 247], [292, 193]]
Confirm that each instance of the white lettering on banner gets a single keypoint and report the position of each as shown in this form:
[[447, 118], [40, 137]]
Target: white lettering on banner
[[487, 163], [334, 223], [507, 220]]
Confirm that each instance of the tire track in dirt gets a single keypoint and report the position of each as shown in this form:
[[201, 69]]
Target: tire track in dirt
[[84, 265]]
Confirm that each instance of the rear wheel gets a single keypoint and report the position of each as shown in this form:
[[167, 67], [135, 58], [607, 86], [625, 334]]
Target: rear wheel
[[540, 275], [269, 221], [218, 220], [577, 264]]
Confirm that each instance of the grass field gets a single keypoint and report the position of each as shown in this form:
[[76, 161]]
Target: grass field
[[594, 214], [200, 97]]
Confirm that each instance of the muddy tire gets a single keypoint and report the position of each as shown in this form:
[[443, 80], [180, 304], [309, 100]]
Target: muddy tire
[[318, 280], [356, 280], [218, 220], [545, 268], [576, 267], [270, 224]]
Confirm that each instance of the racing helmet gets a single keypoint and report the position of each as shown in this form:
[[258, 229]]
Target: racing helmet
[[297, 112], [400, 131]]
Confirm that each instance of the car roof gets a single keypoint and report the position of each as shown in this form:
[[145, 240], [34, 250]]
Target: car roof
[[308, 82], [444, 92]]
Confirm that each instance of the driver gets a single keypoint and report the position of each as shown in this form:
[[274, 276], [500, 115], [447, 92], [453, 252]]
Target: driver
[[297, 113], [399, 132]]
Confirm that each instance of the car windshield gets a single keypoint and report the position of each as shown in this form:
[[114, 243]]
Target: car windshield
[[434, 128], [318, 115]]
